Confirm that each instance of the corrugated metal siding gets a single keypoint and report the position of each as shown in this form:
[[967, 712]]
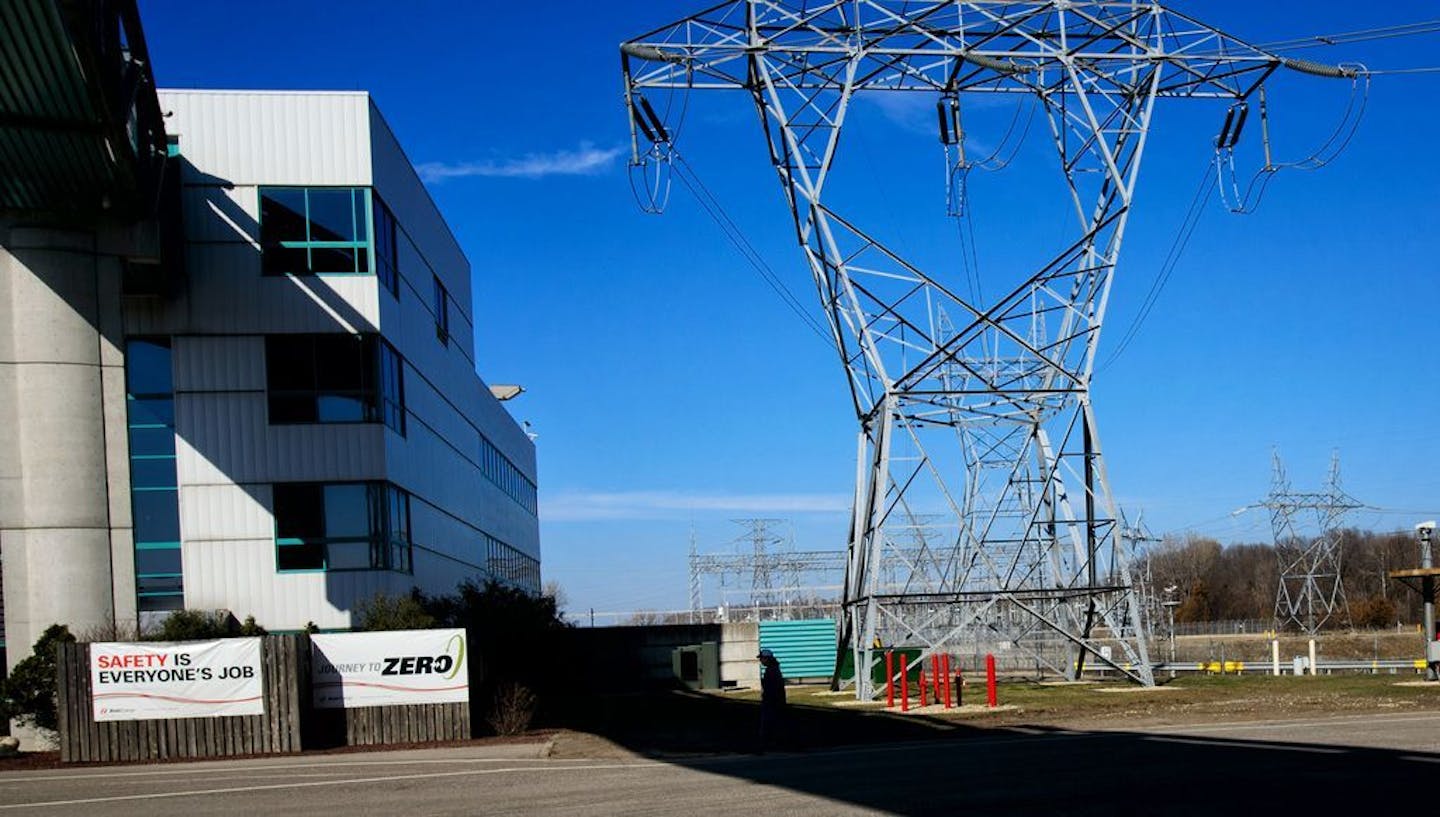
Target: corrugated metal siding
[[215, 213], [210, 513], [224, 438], [805, 649], [400, 187], [240, 576], [250, 137], [235, 363]]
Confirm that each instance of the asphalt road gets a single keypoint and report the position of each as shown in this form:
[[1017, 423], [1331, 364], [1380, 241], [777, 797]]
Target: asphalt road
[[1371, 764]]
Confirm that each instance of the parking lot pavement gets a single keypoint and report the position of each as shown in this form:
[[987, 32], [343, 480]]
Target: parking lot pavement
[[1307, 765]]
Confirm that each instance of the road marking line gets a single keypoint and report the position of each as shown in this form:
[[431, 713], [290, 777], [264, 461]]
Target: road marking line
[[316, 784], [206, 767], [1223, 727], [1269, 747]]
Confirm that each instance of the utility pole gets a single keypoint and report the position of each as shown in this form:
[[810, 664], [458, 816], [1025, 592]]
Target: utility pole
[[1426, 532], [1422, 579]]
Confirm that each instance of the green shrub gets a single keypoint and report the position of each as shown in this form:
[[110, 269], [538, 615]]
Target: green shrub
[[193, 625], [382, 612], [29, 693]]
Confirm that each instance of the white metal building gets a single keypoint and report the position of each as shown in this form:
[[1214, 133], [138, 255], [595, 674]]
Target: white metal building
[[297, 426]]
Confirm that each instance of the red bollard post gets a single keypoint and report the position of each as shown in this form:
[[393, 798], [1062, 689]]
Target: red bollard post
[[990, 680], [922, 682], [945, 669], [937, 681], [904, 683], [889, 679]]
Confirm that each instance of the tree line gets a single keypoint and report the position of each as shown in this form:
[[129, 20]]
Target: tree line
[[1239, 581]]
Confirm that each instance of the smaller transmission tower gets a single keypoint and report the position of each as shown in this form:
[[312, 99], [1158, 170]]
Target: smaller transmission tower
[[775, 579], [1311, 594], [763, 541]]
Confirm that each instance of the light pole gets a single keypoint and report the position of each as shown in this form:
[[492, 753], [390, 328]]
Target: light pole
[[1426, 531], [1170, 603]]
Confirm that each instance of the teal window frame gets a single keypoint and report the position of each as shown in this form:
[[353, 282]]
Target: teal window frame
[[363, 244], [148, 411], [387, 537]]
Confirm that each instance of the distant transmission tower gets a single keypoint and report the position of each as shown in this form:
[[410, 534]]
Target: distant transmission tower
[[763, 542], [773, 578], [977, 411], [1311, 593]]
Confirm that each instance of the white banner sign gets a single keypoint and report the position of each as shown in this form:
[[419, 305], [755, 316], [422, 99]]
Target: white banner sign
[[349, 670], [183, 679]]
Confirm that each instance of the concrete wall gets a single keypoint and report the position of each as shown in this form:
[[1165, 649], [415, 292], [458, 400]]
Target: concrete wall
[[64, 476], [739, 644], [619, 659]]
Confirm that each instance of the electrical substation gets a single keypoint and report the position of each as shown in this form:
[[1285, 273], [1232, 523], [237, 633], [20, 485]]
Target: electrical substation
[[975, 407]]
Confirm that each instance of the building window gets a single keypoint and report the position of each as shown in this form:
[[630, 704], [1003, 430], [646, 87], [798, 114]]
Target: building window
[[341, 526], [504, 475], [442, 312], [314, 230], [154, 488], [334, 378], [392, 388], [509, 566], [387, 253]]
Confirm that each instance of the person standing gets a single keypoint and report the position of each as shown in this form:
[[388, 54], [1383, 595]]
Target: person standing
[[772, 698]]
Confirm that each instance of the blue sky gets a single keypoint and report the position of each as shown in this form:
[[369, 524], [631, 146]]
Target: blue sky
[[673, 391]]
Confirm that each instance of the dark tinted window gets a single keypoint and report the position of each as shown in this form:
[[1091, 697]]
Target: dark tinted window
[[308, 230], [299, 511], [387, 252], [282, 215], [147, 367], [332, 214], [157, 515], [157, 560], [341, 526]]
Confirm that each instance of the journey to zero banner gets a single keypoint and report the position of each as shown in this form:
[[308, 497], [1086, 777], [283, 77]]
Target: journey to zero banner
[[349, 670], [183, 679]]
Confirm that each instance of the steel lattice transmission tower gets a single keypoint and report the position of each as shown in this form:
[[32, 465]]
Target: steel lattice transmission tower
[[978, 410], [1311, 593]]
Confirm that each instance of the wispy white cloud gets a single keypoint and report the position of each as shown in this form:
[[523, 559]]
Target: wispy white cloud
[[911, 112], [579, 507], [586, 160]]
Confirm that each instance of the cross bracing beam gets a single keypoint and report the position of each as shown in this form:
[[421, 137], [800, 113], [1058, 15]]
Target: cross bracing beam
[[979, 412]]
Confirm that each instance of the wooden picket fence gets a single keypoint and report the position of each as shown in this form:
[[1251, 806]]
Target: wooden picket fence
[[285, 669], [290, 721], [380, 725]]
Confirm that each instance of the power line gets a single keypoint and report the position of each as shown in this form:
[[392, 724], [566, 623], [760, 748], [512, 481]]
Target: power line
[[1177, 249], [1383, 71], [1363, 35], [752, 256]]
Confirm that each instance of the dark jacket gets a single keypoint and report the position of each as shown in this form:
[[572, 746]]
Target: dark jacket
[[772, 685]]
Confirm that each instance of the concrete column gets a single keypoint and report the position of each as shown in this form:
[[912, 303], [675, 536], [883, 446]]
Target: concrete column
[[64, 472]]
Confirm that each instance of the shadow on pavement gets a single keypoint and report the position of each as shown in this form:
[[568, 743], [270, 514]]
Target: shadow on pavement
[[923, 765]]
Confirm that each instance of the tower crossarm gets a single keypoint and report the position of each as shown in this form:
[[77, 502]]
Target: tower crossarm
[[982, 45]]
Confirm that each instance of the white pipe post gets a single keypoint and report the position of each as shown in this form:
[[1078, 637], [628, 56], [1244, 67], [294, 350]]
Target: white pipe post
[[1275, 656], [1314, 670]]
